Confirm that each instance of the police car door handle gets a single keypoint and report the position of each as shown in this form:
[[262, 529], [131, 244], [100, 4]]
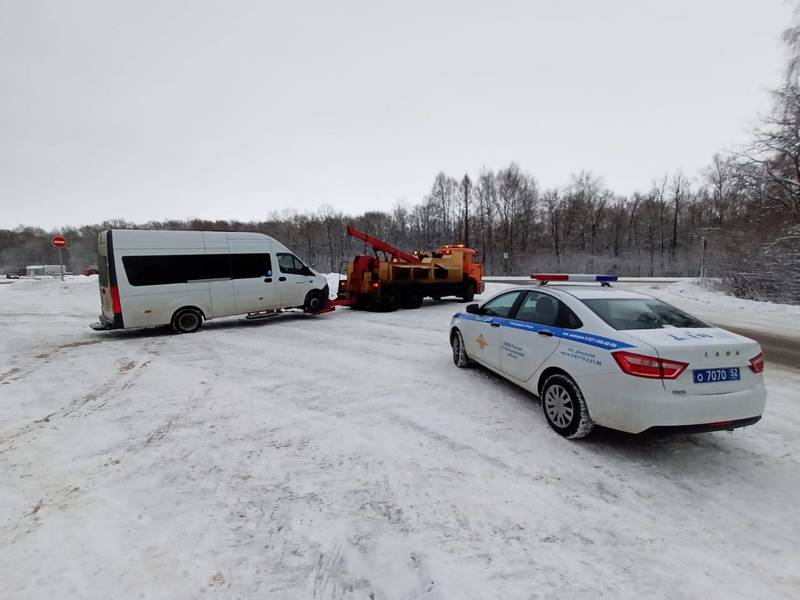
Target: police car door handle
[[267, 279], [545, 332], [495, 324], [281, 278]]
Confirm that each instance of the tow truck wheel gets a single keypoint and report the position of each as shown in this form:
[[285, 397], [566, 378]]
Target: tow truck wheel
[[314, 302], [565, 408], [469, 292], [460, 358], [186, 320], [391, 300], [412, 299]]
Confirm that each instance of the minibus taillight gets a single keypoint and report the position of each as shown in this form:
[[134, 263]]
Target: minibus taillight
[[640, 365], [116, 305], [757, 363]]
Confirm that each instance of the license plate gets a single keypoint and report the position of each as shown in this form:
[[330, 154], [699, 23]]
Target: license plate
[[715, 375]]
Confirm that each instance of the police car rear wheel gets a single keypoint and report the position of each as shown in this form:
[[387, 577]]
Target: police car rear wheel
[[460, 358], [565, 408]]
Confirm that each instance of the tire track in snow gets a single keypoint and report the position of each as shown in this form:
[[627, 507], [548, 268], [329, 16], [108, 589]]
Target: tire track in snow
[[128, 371]]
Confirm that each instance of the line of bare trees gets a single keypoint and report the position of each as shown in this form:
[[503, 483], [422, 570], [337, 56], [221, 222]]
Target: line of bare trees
[[517, 227]]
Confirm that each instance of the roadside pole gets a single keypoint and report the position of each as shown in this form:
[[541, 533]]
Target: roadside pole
[[60, 242]]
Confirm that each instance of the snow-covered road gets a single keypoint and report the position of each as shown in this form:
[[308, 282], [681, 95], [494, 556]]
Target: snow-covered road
[[344, 456]]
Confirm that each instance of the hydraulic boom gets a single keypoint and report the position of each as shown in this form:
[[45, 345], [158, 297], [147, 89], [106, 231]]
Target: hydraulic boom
[[386, 247]]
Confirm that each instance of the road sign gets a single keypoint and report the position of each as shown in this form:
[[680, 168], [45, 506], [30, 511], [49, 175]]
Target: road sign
[[60, 242]]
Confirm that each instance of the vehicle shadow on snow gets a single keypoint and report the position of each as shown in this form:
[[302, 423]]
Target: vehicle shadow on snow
[[232, 322], [685, 452], [216, 324]]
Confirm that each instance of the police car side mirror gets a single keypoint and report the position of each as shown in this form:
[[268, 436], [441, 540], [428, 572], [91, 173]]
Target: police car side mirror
[[473, 309]]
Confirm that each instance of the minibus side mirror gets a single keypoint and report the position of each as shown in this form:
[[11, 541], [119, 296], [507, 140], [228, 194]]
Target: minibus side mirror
[[473, 309]]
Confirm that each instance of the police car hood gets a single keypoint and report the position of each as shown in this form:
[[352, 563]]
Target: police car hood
[[701, 346]]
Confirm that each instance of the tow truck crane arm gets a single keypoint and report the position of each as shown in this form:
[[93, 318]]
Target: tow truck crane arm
[[379, 244]]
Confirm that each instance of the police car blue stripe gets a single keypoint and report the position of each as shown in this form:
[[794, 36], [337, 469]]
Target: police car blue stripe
[[589, 339]]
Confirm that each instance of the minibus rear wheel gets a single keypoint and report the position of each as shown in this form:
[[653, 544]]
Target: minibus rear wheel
[[187, 320]]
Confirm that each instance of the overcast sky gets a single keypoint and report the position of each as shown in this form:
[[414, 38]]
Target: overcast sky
[[161, 109]]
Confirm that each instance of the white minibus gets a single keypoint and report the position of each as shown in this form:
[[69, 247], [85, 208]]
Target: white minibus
[[181, 278]]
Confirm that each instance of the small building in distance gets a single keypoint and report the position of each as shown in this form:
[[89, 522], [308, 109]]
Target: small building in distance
[[43, 270]]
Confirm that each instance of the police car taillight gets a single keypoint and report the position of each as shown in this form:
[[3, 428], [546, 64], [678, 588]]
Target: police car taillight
[[651, 367], [757, 363], [573, 277]]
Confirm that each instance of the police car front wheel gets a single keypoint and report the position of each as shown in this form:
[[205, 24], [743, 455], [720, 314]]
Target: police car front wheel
[[565, 408], [460, 358]]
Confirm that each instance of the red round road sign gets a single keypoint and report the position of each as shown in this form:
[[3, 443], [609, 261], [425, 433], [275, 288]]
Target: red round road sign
[[59, 241]]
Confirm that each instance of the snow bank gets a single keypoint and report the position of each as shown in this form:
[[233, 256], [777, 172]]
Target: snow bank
[[333, 284], [720, 307]]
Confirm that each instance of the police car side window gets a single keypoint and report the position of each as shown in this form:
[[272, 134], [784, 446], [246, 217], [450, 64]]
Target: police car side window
[[568, 319], [547, 310], [500, 306]]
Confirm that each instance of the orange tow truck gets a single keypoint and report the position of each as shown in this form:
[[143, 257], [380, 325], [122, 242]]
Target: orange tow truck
[[399, 279]]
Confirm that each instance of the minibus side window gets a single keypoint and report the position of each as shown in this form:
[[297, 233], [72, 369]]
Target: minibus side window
[[246, 266], [175, 268]]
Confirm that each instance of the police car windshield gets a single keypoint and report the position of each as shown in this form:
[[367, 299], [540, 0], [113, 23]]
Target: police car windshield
[[640, 313]]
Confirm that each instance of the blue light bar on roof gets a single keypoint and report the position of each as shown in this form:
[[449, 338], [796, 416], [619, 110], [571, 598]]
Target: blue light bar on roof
[[573, 277]]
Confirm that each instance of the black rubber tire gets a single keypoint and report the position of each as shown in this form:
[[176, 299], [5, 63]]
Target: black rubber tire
[[390, 300], [460, 358], [315, 301], [469, 292], [565, 408], [186, 320], [412, 299]]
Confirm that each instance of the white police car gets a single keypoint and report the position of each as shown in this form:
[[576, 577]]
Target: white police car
[[625, 360]]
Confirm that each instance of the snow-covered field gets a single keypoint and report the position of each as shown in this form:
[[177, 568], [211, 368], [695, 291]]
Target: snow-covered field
[[343, 456]]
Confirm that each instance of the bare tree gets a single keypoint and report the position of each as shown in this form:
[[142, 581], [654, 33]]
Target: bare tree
[[466, 190], [679, 190]]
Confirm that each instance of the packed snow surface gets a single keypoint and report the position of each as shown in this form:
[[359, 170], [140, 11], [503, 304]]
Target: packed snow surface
[[344, 456]]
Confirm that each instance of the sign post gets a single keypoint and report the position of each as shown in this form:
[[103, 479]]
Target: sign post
[[60, 242]]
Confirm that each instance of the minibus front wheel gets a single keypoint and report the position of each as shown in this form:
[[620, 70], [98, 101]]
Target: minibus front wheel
[[187, 320], [315, 301]]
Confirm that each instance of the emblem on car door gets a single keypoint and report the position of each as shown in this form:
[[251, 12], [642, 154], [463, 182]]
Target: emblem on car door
[[481, 341]]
